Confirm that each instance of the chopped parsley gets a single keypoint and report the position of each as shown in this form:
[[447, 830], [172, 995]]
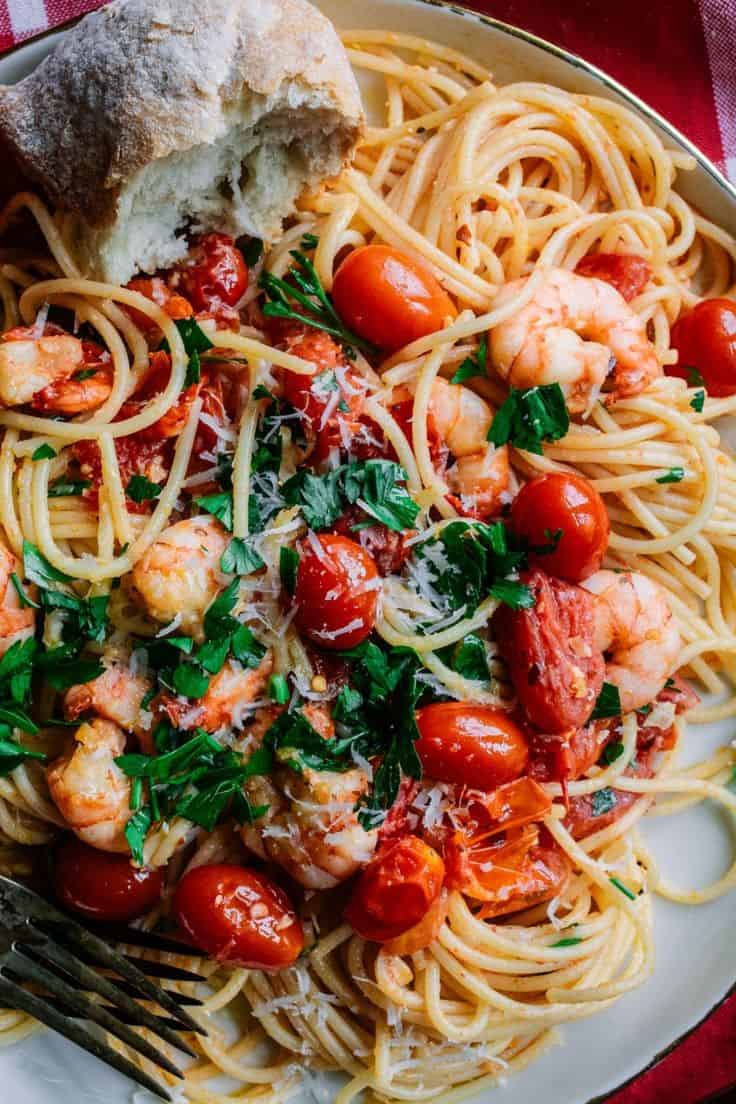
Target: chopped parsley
[[288, 567], [698, 401], [473, 365], [570, 941], [468, 658], [61, 488], [674, 475], [44, 452], [240, 558], [612, 752], [377, 486], [195, 341], [470, 561], [529, 417], [140, 489], [622, 888], [302, 289], [278, 689], [694, 377], [220, 506], [608, 703]]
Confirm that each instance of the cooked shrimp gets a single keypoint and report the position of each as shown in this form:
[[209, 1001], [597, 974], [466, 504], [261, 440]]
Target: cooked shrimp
[[16, 621], [179, 575], [41, 370], [574, 331], [479, 475], [634, 626], [310, 827], [90, 791], [230, 693], [115, 695]]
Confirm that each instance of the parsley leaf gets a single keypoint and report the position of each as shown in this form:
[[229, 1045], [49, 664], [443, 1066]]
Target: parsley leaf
[[608, 703], [694, 377], [468, 658], [612, 752], [37, 568], [136, 830], [141, 489], [377, 486], [570, 941], [62, 488], [195, 341], [13, 754], [303, 288], [468, 561], [22, 596], [527, 418], [473, 366], [220, 506], [44, 452], [240, 558], [698, 401]]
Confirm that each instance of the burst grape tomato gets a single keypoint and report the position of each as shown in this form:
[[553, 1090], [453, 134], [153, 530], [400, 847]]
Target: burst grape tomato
[[705, 340], [565, 519], [469, 744], [389, 298], [396, 890], [103, 886], [337, 592], [238, 915]]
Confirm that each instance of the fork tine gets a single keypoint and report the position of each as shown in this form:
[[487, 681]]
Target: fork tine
[[181, 998], [24, 966], [164, 970], [69, 931], [151, 941], [19, 904], [122, 1016], [15, 996], [89, 979]]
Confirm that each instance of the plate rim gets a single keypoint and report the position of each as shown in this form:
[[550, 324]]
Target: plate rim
[[705, 163]]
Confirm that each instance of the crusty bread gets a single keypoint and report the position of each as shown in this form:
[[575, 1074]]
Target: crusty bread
[[157, 118]]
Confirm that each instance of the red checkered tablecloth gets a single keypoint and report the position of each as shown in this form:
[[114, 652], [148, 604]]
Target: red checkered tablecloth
[[679, 56]]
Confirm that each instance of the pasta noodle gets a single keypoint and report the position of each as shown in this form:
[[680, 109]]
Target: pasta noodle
[[484, 185]]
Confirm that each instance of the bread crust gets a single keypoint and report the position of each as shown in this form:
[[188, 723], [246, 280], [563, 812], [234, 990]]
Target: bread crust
[[141, 79]]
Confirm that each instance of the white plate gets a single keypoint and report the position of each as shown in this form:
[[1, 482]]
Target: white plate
[[696, 951]]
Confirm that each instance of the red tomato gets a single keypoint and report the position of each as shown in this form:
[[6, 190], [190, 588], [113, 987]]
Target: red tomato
[[238, 915], [389, 298], [628, 273], [425, 932], [154, 288], [470, 744], [336, 593], [103, 886], [568, 755], [560, 501], [705, 340], [555, 667], [213, 274], [396, 890]]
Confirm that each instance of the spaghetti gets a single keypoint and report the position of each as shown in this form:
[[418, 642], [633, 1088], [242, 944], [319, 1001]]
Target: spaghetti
[[485, 186]]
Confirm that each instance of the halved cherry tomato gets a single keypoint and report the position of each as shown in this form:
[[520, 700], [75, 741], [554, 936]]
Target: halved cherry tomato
[[472, 745], [101, 885], [550, 650], [238, 915], [396, 890], [214, 273], [337, 591], [513, 877], [705, 340], [569, 506], [389, 298], [155, 289], [628, 273]]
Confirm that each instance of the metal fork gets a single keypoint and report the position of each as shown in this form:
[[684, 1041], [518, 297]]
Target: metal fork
[[41, 947]]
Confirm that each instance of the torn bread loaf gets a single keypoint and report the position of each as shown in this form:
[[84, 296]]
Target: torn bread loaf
[[155, 119]]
